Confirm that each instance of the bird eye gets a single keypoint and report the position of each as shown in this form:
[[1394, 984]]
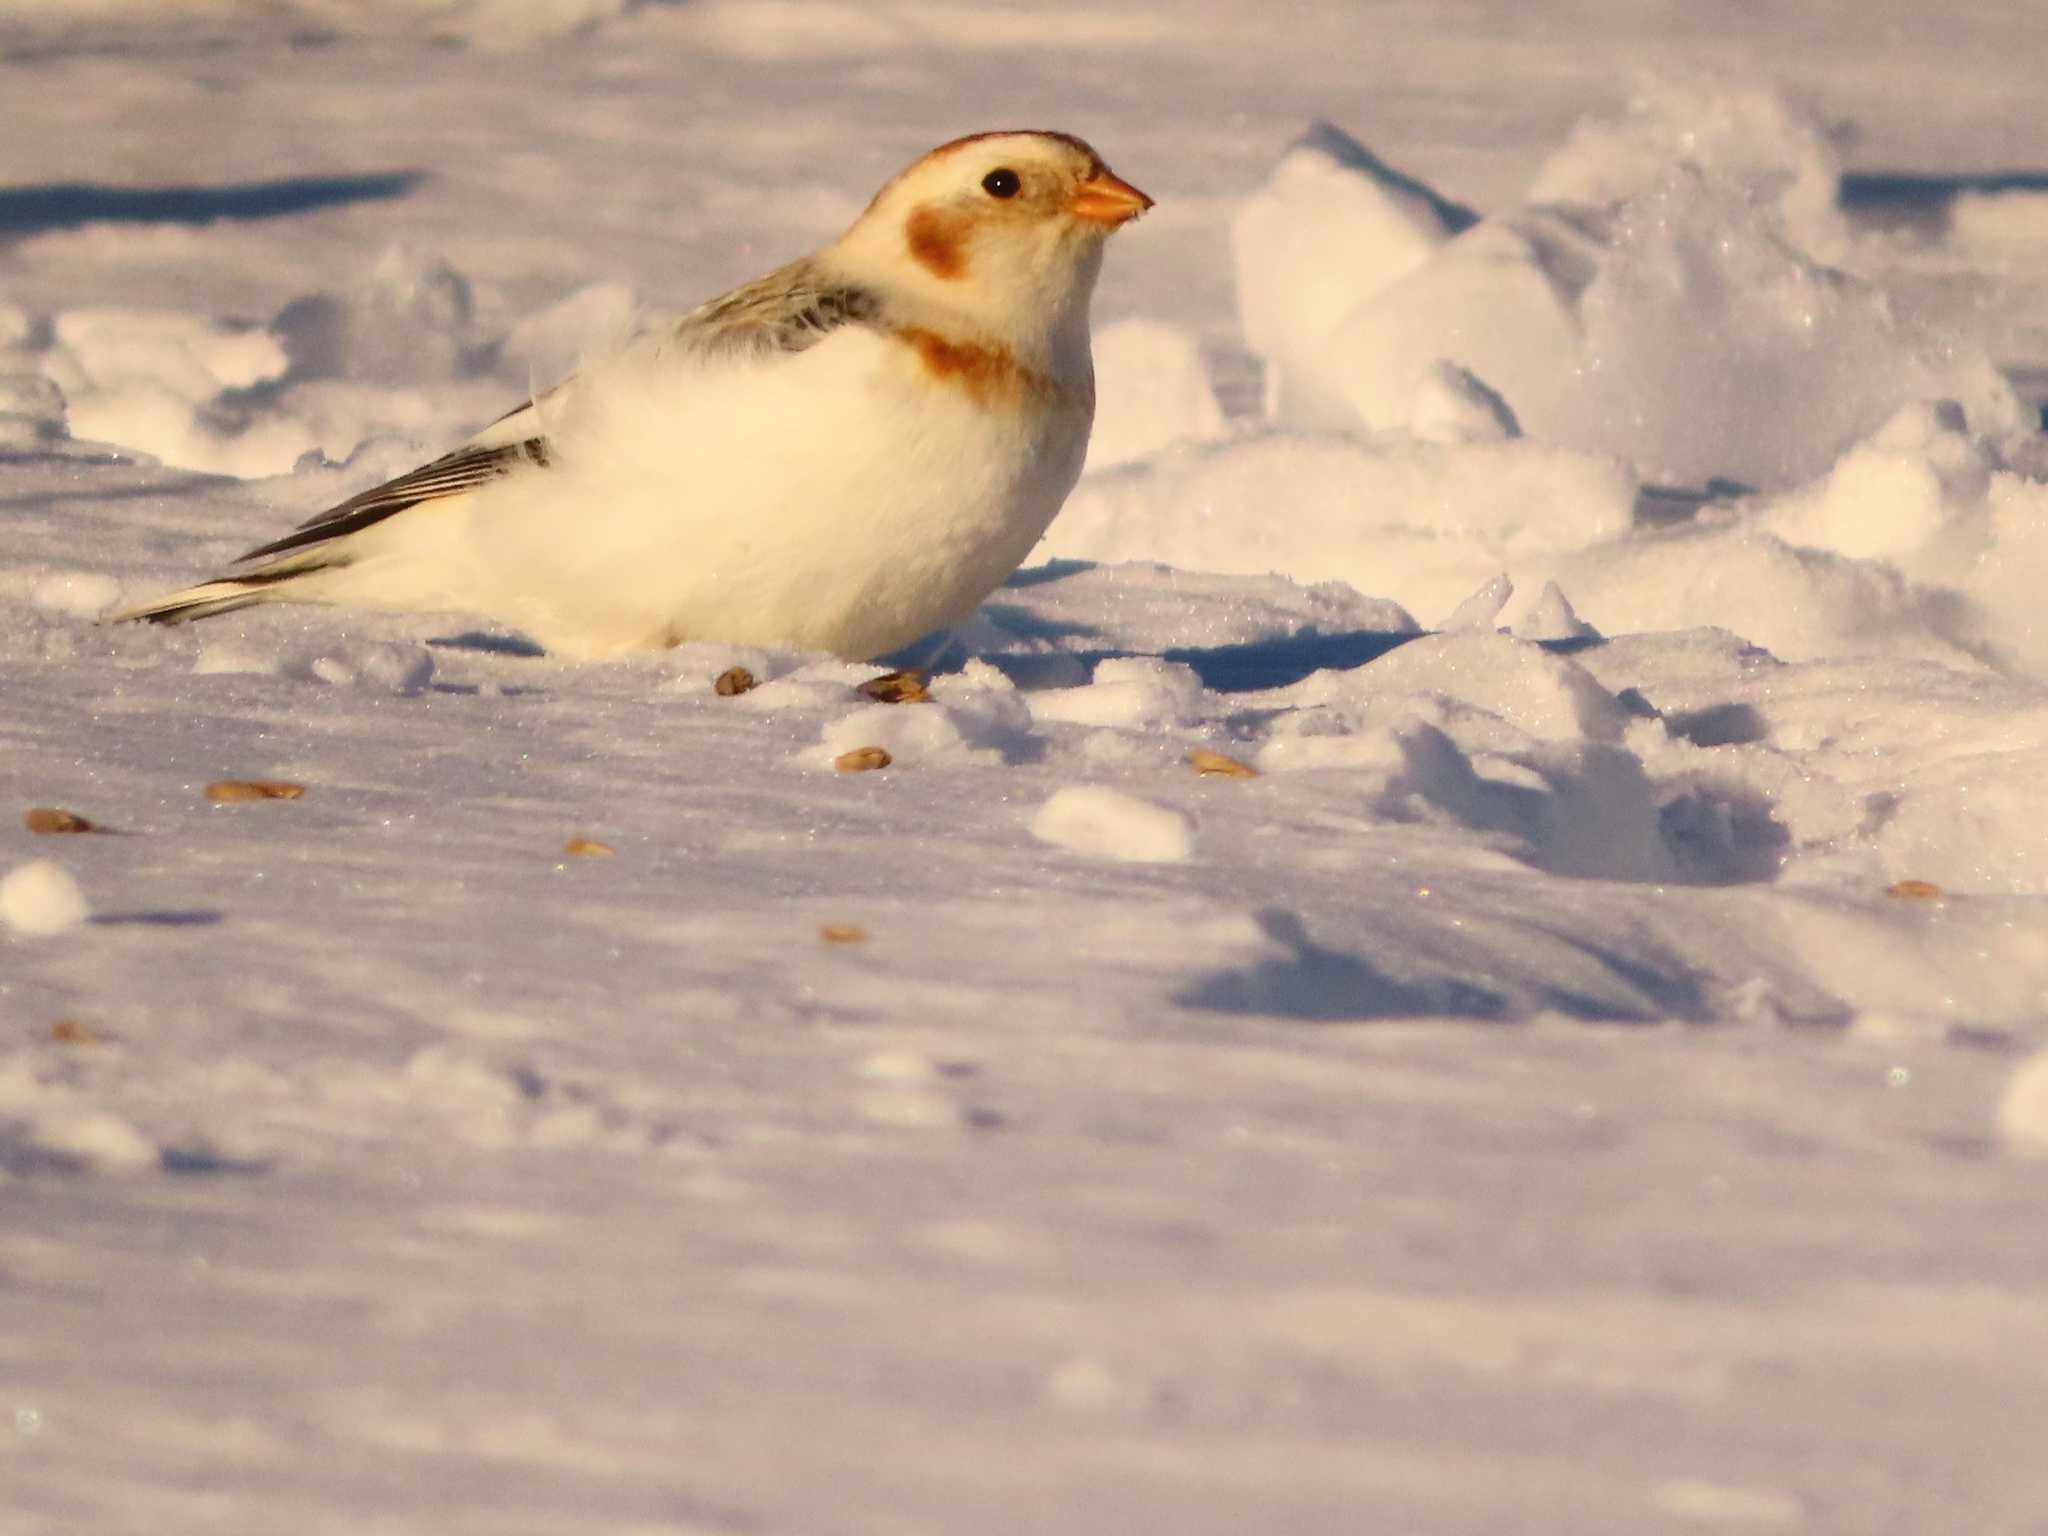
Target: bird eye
[[1002, 182]]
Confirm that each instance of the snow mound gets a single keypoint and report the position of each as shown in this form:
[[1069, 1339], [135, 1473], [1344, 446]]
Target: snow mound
[[973, 717], [1745, 135]]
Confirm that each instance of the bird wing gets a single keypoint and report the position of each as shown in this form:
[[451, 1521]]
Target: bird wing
[[790, 310], [450, 475]]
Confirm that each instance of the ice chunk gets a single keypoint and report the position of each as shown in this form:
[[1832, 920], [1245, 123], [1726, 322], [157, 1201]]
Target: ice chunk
[[1743, 134], [1540, 693], [1666, 296], [1109, 824], [1453, 405], [1482, 608], [1551, 619], [1332, 225], [1891, 496]]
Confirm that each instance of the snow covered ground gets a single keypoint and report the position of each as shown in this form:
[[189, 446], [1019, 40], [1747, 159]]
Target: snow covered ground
[[1575, 1062]]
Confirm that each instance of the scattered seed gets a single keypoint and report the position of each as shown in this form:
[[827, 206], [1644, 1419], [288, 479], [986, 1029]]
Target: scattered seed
[[1918, 890], [73, 1032], [861, 759], [1215, 764], [843, 933], [905, 687], [49, 818], [588, 848], [227, 791], [733, 680]]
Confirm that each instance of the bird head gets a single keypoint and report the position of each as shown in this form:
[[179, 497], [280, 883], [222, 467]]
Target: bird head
[[1004, 229]]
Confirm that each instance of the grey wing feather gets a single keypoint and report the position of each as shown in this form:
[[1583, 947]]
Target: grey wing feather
[[450, 475], [790, 310]]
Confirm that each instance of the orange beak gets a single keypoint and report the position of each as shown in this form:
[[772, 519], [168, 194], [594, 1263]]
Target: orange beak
[[1106, 198]]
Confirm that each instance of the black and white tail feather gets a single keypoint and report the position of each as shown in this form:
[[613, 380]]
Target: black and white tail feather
[[316, 545]]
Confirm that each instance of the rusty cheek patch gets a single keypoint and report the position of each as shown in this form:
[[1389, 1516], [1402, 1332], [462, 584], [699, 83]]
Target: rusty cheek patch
[[938, 243], [986, 373]]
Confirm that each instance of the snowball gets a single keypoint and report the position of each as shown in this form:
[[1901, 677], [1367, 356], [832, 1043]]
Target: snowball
[[2023, 1107], [1332, 226], [41, 897], [1109, 824], [1151, 390], [76, 594], [101, 1142], [1127, 691]]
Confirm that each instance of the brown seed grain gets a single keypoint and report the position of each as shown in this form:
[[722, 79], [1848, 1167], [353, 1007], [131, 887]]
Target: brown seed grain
[[732, 681], [588, 848], [228, 791], [1216, 765], [231, 791], [862, 760], [48, 819], [843, 933], [905, 687], [1917, 890]]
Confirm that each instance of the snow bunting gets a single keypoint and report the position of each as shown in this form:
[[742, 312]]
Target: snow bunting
[[846, 455]]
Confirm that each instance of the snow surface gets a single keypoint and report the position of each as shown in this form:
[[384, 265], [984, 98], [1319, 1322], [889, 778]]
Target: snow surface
[[1589, 1075]]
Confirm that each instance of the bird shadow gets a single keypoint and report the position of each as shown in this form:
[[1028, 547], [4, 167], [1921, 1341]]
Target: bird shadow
[[1924, 204], [37, 210], [489, 643], [1247, 667], [196, 917]]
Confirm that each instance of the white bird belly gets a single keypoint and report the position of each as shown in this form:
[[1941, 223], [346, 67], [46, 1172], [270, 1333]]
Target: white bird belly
[[843, 498]]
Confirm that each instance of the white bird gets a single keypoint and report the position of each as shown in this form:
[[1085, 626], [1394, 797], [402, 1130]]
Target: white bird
[[845, 455]]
